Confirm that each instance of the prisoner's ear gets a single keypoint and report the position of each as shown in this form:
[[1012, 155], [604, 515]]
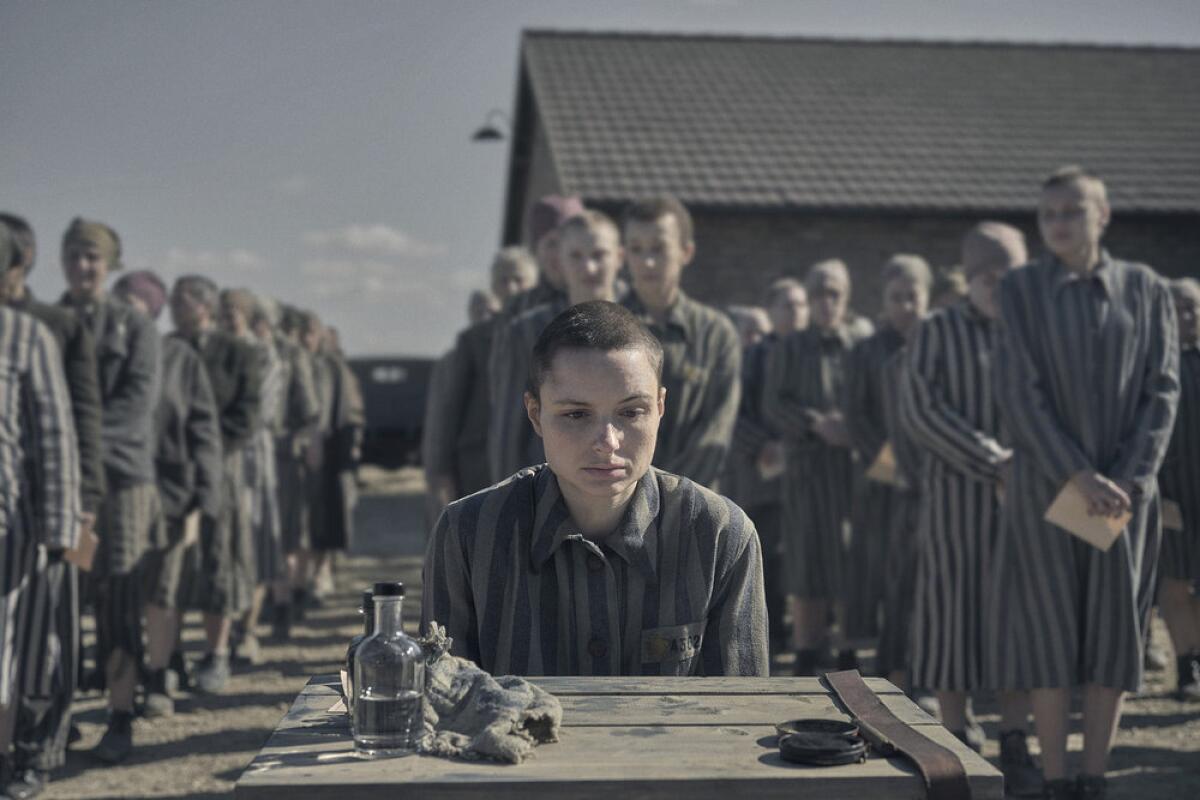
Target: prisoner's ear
[[533, 410]]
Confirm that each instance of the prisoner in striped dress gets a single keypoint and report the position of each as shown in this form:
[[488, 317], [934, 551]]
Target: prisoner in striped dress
[[703, 356], [52, 636], [461, 435], [949, 407], [753, 472], [900, 577], [129, 365], [597, 563], [1179, 481], [226, 547], [803, 397], [1088, 380], [877, 504], [589, 256], [39, 477]]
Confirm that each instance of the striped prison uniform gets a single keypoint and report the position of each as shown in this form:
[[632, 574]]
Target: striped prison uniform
[[39, 479], [261, 480], [761, 499], [676, 589], [227, 547], [805, 374], [129, 363], [511, 440], [1179, 478], [1088, 379], [462, 438], [949, 408], [875, 505], [900, 577], [43, 720], [434, 456], [188, 464], [298, 411], [702, 365]]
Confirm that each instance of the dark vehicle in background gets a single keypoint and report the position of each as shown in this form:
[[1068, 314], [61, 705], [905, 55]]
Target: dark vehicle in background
[[394, 395]]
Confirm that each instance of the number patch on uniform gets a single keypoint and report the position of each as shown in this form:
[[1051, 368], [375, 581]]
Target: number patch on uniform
[[677, 643]]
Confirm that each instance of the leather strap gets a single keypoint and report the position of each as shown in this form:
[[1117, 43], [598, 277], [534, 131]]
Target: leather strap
[[945, 778]]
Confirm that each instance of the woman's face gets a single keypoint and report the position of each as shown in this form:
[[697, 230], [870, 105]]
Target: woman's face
[[598, 413]]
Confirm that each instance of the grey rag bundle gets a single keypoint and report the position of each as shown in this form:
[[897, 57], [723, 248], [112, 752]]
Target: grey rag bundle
[[470, 714]]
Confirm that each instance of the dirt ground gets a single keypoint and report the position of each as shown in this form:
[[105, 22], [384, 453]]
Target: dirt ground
[[201, 751]]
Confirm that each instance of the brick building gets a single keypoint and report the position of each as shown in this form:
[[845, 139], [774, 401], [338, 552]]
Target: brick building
[[789, 150]]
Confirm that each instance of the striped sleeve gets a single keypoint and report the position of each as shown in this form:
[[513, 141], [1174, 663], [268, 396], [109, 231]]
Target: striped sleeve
[[55, 454], [1146, 443], [508, 426], [303, 407], [930, 419], [203, 433], [435, 450], [780, 407], [1021, 391], [735, 637], [446, 588], [702, 445], [860, 406]]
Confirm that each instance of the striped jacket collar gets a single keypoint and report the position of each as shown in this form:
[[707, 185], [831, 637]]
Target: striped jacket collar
[[1105, 274], [635, 540], [681, 315]]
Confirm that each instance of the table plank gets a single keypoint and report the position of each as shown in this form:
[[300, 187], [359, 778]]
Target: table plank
[[667, 709], [646, 754], [595, 762], [563, 685]]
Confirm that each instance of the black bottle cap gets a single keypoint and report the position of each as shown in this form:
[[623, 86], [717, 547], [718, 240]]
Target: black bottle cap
[[389, 589], [367, 601]]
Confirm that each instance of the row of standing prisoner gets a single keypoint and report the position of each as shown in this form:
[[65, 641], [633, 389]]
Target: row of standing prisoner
[[145, 475], [898, 470]]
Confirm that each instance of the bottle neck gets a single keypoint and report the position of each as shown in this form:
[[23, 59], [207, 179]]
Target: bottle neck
[[369, 620], [388, 617]]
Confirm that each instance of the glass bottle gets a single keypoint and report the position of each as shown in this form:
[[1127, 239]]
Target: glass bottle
[[389, 680], [367, 609]]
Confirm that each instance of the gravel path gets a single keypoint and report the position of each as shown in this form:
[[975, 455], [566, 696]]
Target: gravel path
[[201, 751]]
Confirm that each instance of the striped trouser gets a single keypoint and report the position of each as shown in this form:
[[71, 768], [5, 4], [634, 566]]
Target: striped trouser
[[49, 668], [17, 558]]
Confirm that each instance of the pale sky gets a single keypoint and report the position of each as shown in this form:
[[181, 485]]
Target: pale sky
[[320, 151]]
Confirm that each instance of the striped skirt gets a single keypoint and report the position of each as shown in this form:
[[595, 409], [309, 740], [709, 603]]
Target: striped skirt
[[875, 508], [126, 524], [227, 571], [291, 488], [1180, 557], [263, 486], [816, 504], [50, 666], [899, 585], [1065, 613], [959, 521], [17, 560]]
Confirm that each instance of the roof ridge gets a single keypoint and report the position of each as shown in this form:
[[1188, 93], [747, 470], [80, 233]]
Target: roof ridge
[[579, 33]]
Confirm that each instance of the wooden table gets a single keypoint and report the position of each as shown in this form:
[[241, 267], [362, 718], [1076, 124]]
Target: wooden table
[[622, 738]]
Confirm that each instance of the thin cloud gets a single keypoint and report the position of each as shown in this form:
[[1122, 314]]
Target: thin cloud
[[378, 240], [368, 281], [238, 260]]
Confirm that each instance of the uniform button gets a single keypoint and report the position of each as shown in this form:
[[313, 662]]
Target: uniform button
[[598, 648], [595, 563]]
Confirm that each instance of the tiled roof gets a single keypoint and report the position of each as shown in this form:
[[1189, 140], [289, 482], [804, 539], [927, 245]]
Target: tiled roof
[[804, 123]]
